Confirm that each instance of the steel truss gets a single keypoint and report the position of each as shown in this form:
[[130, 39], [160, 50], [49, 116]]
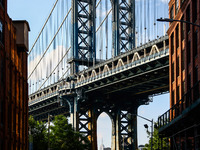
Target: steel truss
[[83, 30], [126, 24], [123, 25], [83, 25], [124, 122]]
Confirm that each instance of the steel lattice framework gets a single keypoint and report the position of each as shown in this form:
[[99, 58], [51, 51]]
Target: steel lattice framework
[[83, 28], [126, 25], [117, 86]]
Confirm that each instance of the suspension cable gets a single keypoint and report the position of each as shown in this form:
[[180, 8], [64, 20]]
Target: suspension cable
[[98, 3], [50, 42], [43, 26], [65, 72], [104, 20], [55, 67]]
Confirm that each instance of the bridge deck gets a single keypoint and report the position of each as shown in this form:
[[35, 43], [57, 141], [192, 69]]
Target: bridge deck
[[138, 73]]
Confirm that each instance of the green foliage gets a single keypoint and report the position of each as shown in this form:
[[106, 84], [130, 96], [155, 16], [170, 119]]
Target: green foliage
[[38, 133], [62, 136], [156, 145]]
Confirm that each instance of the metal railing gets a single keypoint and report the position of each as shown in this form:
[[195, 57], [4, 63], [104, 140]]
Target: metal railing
[[176, 110]]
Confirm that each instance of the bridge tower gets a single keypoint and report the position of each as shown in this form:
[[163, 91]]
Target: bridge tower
[[83, 52], [83, 30], [123, 24], [83, 34]]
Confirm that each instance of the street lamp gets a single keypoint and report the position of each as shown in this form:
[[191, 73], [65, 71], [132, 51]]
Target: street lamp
[[146, 126], [172, 20], [49, 116]]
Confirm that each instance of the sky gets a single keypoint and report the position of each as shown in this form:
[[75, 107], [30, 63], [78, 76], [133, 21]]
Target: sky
[[36, 12]]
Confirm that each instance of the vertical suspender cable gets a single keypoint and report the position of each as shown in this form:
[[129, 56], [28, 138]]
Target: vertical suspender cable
[[154, 18], [141, 23], [106, 31], [157, 17], [148, 17], [145, 21], [101, 34]]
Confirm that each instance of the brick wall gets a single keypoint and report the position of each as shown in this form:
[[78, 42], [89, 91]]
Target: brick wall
[[13, 88]]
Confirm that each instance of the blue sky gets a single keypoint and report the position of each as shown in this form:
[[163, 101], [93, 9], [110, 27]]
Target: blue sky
[[36, 12]]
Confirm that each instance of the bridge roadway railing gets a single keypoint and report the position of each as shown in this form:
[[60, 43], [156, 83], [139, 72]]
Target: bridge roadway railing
[[48, 92], [144, 54]]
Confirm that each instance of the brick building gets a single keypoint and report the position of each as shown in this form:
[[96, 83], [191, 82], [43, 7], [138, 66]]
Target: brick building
[[13, 82], [182, 122]]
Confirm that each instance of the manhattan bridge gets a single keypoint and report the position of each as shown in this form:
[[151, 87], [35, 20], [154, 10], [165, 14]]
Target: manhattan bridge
[[94, 56]]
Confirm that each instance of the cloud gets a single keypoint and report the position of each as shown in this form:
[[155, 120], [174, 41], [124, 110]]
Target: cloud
[[47, 64], [165, 1]]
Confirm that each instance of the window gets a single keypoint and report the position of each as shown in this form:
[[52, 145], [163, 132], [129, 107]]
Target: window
[[177, 66], [172, 72], [172, 12], [1, 71], [172, 98], [188, 18], [1, 144], [189, 82], [1, 31], [177, 36], [183, 59], [195, 10], [2, 111], [2, 3], [188, 53], [178, 96], [195, 43], [183, 87], [195, 75], [177, 5], [196, 88], [183, 30], [172, 44]]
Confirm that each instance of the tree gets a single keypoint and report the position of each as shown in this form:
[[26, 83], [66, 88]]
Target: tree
[[38, 133], [156, 141], [63, 137]]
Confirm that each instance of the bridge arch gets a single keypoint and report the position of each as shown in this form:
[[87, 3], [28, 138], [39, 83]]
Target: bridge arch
[[93, 74], [106, 69], [136, 56], [154, 49], [82, 78], [104, 129], [120, 63]]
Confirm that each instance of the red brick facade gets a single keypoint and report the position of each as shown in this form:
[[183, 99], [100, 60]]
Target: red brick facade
[[184, 52], [13, 84], [184, 61]]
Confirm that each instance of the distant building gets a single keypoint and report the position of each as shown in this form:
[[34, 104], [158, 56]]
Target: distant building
[[13, 82], [182, 122], [141, 147], [101, 146], [107, 148]]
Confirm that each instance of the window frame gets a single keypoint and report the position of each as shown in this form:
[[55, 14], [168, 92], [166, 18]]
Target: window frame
[[1, 32]]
